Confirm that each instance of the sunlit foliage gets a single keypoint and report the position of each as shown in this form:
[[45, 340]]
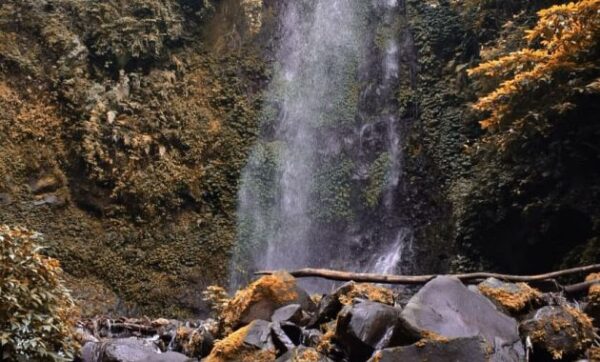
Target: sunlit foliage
[[36, 311], [538, 83]]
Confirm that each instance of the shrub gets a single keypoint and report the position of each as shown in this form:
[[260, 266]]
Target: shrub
[[541, 81], [36, 310]]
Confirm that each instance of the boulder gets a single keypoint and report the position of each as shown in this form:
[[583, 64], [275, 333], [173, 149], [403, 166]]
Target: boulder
[[448, 308], [196, 342], [263, 297], [368, 326], [259, 335], [512, 297], [331, 304], [311, 337], [128, 350], [303, 354], [467, 349], [328, 308], [559, 331], [290, 313], [170, 357]]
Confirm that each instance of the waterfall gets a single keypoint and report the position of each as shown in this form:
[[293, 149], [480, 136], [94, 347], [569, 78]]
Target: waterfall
[[321, 186]]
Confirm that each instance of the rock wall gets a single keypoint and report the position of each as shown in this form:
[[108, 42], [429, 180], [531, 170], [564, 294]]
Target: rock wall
[[123, 131]]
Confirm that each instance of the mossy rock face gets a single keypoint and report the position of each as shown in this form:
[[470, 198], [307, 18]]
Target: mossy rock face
[[123, 139]]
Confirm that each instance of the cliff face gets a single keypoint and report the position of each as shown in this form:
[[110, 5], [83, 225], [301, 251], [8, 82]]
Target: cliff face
[[123, 130], [524, 209], [124, 126]]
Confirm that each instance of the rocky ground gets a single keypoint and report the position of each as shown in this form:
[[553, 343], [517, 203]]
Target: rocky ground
[[274, 320]]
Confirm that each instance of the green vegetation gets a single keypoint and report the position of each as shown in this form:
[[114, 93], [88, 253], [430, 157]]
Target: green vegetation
[[378, 176], [121, 125], [37, 314]]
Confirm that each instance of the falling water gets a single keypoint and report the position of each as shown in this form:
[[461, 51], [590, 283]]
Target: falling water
[[329, 122]]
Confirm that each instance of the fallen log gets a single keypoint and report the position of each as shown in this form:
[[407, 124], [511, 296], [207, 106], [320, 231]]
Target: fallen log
[[422, 279], [582, 287]]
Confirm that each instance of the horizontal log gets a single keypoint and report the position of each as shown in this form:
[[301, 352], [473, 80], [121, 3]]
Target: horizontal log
[[580, 287], [422, 279]]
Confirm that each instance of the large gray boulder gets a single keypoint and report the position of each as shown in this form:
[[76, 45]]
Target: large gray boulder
[[471, 349], [128, 350], [448, 308], [368, 326]]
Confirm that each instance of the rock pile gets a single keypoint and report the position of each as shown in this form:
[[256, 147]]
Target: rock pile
[[275, 320]]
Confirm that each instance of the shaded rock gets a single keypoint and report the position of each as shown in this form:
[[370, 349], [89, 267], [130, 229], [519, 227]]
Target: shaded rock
[[311, 337], [91, 352], [193, 342], [328, 308], [282, 341], [445, 306], [170, 357], [290, 313], [559, 331], [259, 335], [368, 326], [261, 298], [293, 331], [303, 354], [129, 350], [468, 349], [512, 297]]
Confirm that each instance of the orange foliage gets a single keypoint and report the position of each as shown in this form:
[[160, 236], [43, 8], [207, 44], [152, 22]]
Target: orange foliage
[[560, 60]]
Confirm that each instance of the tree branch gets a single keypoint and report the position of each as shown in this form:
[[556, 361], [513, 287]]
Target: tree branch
[[422, 279]]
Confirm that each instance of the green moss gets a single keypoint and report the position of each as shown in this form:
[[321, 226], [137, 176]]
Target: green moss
[[333, 190], [378, 179]]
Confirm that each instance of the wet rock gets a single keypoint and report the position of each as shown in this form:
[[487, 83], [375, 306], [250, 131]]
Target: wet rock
[[446, 307], [259, 335], [368, 326], [468, 349], [311, 337], [290, 313], [128, 350], [328, 308], [193, 342], [512, 297], [559, 331], [91, 352], [282, 341], [170, 357], [303, 354], [263, 297]]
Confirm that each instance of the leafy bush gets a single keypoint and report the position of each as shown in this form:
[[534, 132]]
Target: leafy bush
[[540, 82], [36, 311]]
